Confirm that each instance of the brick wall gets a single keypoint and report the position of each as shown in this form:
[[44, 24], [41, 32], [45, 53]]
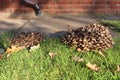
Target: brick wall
[[63, 6]]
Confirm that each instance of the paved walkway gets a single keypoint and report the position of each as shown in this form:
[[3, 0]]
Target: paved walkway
[[48, 25]]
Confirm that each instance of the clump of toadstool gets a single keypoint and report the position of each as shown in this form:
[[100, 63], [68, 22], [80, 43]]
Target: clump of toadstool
[[24, 40], [27, 39], [88, 38]]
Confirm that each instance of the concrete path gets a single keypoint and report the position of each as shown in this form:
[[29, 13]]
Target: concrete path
[[48, 25]]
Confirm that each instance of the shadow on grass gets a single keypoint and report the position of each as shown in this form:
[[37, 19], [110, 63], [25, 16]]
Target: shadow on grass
[[1, 45]]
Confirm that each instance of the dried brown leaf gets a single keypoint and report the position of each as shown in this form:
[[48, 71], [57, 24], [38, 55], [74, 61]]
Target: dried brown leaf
[[14, 49], [77, 58], [92, 66], [52, 55]]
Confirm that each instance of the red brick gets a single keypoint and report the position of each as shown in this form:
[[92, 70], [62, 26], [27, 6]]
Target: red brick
[[97, 2], [45, 6], [61, 2], [64, 6]]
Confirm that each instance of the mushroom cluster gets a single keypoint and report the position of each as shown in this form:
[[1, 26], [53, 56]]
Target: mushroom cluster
[[23, 40], [90, 37], [27, 39]]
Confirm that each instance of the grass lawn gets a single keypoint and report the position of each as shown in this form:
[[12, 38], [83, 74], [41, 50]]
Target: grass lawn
[[38, 65], [112, 23]]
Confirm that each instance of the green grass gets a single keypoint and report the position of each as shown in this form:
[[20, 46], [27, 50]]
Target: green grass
[[111, 23], [38, 65], [4, 40]]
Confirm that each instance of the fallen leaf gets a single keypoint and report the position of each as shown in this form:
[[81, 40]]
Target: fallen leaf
[[77, 58], [118, 68], [52, 55], [92, 66], [13, 49]]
